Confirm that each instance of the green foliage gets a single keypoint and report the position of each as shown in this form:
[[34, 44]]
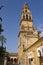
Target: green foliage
[[2, 53], [8, 58]]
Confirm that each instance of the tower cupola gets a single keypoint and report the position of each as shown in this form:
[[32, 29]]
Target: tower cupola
[[26, 13]]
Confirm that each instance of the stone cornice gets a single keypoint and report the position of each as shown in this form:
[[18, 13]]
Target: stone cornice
[[24, 32], [25, 20], [29, 34]]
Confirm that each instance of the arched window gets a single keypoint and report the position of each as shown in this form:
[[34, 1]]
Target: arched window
[[29, 17], [15, 60], [26, 17], [11, 60]]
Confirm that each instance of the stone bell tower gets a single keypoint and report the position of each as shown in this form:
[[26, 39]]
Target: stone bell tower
[[28, 35]]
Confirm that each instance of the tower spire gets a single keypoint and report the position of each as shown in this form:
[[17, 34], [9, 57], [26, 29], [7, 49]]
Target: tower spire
[[25, 6], [26, 13]]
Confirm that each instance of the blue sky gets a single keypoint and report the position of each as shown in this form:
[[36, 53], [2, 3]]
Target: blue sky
[[10, 14]]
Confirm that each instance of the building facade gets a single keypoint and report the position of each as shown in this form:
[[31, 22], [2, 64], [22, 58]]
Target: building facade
[[13, 58], [29, 41], [34, 53]]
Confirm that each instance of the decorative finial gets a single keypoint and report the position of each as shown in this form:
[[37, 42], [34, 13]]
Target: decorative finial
[[25, 5]]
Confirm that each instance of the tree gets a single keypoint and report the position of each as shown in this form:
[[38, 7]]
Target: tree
[[2, 40], [2, 53]]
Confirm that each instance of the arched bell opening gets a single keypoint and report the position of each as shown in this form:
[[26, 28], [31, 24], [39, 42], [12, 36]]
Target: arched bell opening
[[26, 17]]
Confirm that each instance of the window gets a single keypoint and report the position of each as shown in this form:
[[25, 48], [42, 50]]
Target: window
[[23, 17], [31, 59], [15, 60], [26, 17], [11, 60], [29, 17], [39, 51]]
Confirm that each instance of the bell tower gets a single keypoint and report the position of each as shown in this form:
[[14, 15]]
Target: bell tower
[[26, 18], [26, 14], [28, 35]]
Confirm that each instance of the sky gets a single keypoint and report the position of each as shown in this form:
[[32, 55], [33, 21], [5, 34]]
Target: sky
[[11, 13]]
